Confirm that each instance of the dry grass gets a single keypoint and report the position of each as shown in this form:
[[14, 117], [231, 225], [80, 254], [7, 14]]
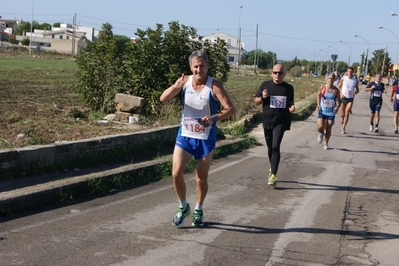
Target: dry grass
[[38, 105]]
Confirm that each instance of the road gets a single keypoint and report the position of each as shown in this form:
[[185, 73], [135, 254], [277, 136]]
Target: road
[[334, 207]]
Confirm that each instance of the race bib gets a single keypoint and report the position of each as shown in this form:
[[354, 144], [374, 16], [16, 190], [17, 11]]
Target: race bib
[[377, 93], [278, 102], [193, 127], [397, 96], [329, 103]]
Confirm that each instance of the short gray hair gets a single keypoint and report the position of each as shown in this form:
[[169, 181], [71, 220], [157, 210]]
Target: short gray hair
[[198, 54]]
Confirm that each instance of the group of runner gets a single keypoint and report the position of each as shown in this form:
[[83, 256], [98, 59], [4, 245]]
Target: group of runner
[[338, 95], [205, 102]]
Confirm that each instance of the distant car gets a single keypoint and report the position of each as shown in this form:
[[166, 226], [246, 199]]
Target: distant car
[[315, 75]]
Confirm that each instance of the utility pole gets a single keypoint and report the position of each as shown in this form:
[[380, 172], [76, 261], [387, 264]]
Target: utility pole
[[239, 52], [31, 28], [73, 37], [383, 61], [238, 40], [256, 50]]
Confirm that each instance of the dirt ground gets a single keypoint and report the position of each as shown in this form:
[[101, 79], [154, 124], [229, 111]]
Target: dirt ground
[[36, 107]]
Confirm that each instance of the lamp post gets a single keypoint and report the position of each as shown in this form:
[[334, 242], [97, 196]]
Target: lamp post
[[397, 41], [336, 65], [31, 28], [238, 40], [321, 50], [315, 68], [321, 62], [350, 48], [367, 54], [394, 14]]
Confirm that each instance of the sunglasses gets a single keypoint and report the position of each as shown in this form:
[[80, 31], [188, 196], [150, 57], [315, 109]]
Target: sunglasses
[[278, 72]]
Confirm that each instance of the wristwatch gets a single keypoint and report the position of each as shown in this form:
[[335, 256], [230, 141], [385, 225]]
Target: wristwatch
[[215, 118]]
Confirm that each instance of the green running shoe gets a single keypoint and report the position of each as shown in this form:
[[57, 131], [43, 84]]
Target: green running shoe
[[198, 218], [181, 215]]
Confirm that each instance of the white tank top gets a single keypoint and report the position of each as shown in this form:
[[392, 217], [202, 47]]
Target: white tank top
[[348, 87], [196, 105]]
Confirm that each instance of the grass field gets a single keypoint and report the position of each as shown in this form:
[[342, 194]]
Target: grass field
[[36, 100]]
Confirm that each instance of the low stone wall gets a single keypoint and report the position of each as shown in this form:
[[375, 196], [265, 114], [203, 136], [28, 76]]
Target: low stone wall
[[27, 160]]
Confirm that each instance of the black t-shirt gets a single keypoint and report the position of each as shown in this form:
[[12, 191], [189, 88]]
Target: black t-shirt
[[276, 105]]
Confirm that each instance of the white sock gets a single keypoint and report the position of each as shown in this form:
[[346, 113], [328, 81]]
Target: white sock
[[183, 203], [198, 207]]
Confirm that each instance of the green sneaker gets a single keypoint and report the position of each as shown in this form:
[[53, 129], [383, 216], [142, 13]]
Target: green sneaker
[[181, 215], [198, 218], [272, 180]]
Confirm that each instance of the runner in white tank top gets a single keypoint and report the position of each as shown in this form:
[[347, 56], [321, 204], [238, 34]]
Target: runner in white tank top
[[201, 96], [349, 87]]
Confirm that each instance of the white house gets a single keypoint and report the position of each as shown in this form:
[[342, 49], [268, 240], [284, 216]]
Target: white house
[[7, 27], [235, 51], [66, 41], [89, 32]]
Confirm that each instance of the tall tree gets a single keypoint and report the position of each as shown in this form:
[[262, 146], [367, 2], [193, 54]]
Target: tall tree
[[379, 63], [103, 70], [25, 27], [144, 68]]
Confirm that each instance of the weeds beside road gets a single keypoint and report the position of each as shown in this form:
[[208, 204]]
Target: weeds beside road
[[38, 105]]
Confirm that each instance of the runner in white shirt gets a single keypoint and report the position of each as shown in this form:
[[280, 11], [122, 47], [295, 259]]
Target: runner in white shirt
[[349, 87], [201, 99]]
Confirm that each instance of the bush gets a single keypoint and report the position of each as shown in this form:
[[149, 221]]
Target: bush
[[25, 41], [296, 71], [11, 40], [117, 65]]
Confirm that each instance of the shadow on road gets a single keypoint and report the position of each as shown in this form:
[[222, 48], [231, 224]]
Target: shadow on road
[[331, 187], [358, 235]]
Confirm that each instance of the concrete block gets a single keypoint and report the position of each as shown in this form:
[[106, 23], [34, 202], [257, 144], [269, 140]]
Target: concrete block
[[8, 159], [128, 103], [33, 157], [122, 116]]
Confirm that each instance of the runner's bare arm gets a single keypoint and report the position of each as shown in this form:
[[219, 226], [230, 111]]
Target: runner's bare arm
[[173, 90], [220, 94]]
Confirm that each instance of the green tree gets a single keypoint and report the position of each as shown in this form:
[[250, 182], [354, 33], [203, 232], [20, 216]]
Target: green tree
[[44, 26], [265, 60], [161, 57], [25, 41], [57, 24], [114, 64], [103, 70], [25, 27], [379, 63], [296, 71], [292, 63]]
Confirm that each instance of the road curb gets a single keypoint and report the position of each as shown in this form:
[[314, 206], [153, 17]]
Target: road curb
[[79, 186]]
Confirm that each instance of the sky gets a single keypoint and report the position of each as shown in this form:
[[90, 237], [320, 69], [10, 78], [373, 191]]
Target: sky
[[304, 29]]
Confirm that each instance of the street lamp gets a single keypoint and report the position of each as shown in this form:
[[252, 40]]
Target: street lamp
[[397, 40], [31, 28], [321, 62], [321, 50], [367, 54], [349, 59], [336, 65], [328, 55], [238, 39], [315, 68]]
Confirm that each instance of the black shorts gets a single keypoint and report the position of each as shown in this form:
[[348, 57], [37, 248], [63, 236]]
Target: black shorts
[[346, 100]]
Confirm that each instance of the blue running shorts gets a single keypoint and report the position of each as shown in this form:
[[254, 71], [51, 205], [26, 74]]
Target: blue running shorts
[[199, 148]]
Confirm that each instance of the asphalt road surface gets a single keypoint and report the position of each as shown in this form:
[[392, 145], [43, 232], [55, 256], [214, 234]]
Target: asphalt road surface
[[331, 207]]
